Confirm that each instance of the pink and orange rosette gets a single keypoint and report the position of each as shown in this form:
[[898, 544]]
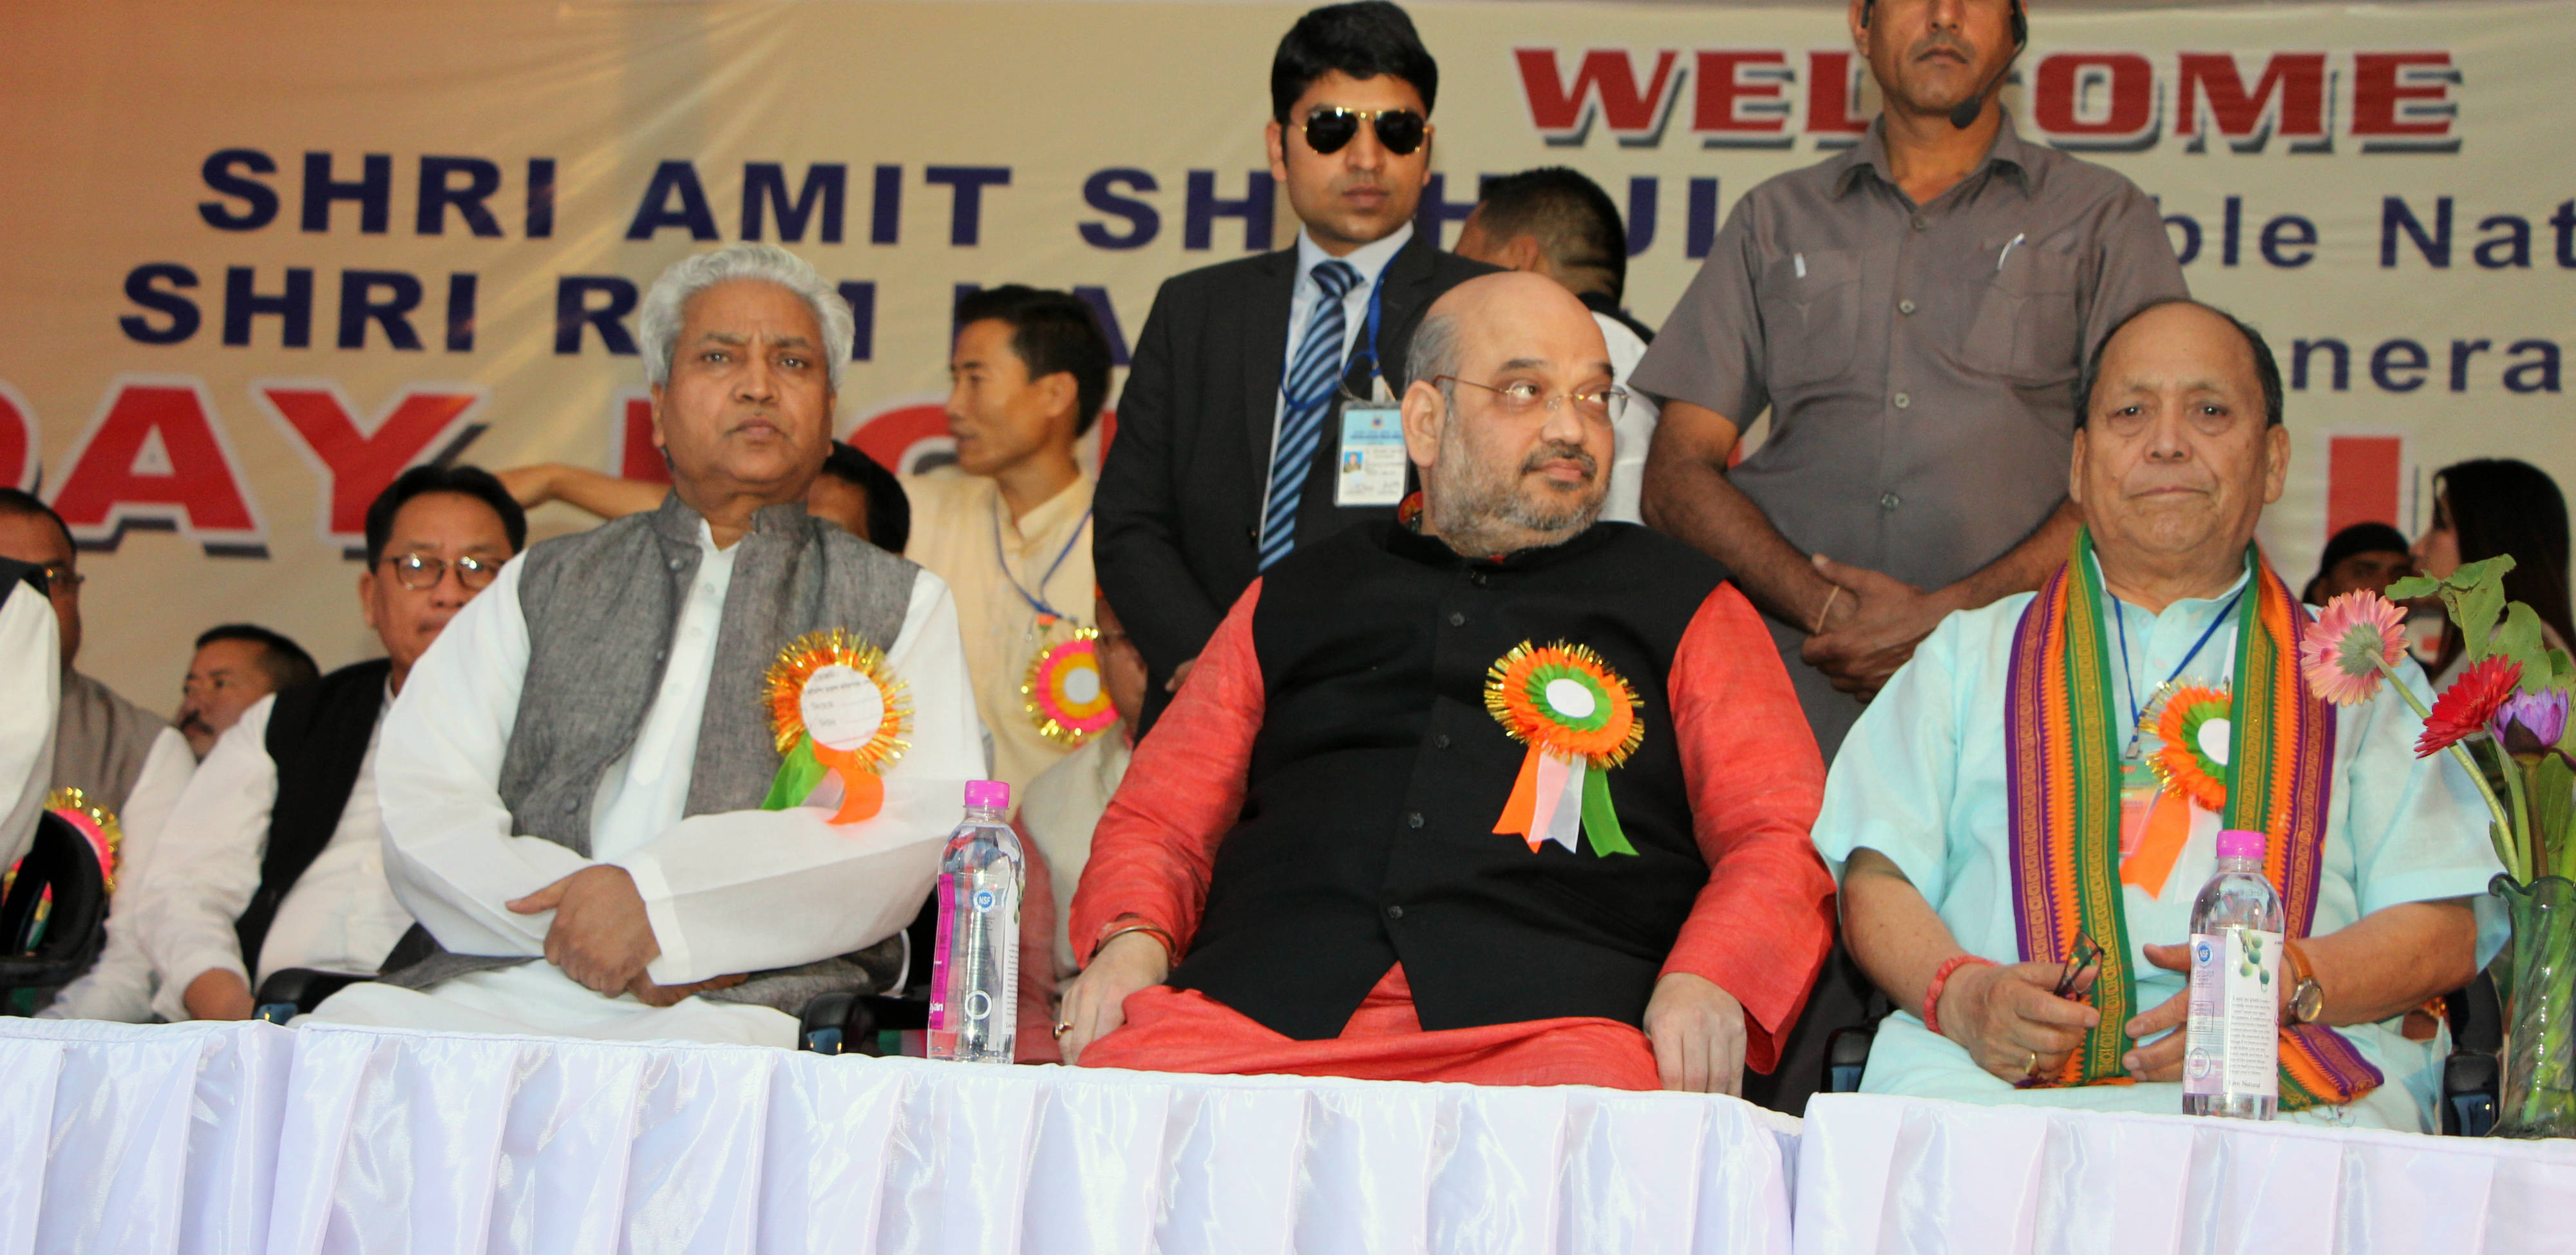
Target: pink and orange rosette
[[1065, 693]]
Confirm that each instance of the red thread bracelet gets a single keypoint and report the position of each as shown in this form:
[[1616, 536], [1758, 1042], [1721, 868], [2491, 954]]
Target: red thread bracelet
[[1940, 981]]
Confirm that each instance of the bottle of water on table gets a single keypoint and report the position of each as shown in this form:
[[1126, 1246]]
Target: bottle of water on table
[[974, 974], [2232, 1046]]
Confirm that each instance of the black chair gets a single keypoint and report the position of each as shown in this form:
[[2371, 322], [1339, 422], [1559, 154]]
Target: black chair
[[2473, 1077], [1846, 1054], [296, 991], [851, 1023], [52, 948]]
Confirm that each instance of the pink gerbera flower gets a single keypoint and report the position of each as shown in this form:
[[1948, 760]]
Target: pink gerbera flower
[[2354, 637]]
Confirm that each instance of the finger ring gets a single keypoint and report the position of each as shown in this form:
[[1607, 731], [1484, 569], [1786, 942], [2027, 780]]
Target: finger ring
[[2031, 1069], [1062, 1029]]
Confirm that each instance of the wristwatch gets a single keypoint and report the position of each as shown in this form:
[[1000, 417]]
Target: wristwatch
[[2307, 997]]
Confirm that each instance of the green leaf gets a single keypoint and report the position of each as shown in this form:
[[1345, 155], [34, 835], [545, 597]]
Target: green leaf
[[2490, 570], [2475, 609], [2412, 587], [2562, 670], [2553, 801], [2519, 639]]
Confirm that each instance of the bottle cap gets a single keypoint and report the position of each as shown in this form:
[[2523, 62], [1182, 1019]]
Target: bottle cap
[[2239, 843], [992, 795]]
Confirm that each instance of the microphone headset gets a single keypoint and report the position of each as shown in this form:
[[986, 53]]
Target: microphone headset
[[1964, 114]]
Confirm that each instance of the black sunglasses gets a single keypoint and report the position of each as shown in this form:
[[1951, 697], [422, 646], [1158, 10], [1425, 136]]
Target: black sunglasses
[[1399, 130]]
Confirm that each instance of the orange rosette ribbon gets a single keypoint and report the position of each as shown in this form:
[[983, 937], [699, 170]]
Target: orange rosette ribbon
[[1580, 720], [841, 715], [1065, 694]]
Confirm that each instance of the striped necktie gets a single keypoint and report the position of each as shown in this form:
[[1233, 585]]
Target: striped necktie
[[1312, 379]]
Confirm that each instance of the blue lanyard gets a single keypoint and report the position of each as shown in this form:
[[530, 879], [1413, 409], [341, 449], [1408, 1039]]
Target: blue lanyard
[[1036, 600], [1368, 331], [2128, 673]]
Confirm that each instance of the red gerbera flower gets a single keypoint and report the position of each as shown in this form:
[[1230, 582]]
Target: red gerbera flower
[[2469, 703]]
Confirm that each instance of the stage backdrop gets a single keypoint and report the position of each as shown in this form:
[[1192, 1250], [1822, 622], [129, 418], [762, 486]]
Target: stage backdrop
[[260, 255]]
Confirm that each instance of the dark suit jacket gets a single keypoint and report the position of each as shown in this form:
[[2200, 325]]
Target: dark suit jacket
[[1178, 508]]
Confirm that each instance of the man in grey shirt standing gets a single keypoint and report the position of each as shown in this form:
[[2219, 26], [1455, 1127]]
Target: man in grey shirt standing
[[1914, 313]]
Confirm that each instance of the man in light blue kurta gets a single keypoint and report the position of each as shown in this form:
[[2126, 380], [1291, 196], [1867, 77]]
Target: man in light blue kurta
[[1922, 780]]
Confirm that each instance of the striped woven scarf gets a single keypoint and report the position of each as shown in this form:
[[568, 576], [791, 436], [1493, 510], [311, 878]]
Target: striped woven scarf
[[2063, 771]]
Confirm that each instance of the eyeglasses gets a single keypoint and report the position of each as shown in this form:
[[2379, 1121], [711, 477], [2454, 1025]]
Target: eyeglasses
[[1522, 399], [2087, 956], [58, 576], [1399, 130], [421, 573]]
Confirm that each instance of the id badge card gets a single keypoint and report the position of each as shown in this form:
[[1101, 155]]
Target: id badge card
[[1370, 463]]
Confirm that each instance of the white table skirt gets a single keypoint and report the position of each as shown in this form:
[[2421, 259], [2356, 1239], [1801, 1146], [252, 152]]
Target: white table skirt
[[334, 1138], [1882, 1175]]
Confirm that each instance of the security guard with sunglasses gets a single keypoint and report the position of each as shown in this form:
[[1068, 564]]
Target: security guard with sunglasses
[[1259, 413]]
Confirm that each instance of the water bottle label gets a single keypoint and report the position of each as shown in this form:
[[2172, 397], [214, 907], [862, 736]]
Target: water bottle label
[[2233, 1043], [939, 954]]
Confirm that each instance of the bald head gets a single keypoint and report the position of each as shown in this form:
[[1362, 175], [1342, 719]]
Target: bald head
[[1510, 458]]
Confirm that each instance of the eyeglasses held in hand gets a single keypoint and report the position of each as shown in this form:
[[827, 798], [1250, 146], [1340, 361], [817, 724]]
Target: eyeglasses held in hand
[[1521, 398], [2087, 955], [421, 573], [1399, 130]]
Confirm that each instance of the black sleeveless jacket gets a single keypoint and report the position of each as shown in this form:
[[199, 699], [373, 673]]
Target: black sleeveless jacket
[[1378, 775]]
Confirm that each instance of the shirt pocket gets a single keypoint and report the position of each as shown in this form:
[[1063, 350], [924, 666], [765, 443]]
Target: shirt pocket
[[2027, 326], [1811, 317]]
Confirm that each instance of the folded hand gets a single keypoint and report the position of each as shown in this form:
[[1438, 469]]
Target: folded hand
[[600, 936]]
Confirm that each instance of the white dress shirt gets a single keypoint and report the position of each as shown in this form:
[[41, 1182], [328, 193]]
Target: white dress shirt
[[737, 891], [340, 916], [119, 986], [1371, 261], [31, 677], [1635, 428]]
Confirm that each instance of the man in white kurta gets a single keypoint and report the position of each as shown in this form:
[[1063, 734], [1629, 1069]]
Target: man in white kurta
[[30, 670], [124, 759], [275, 858], [1918, 813], [673, 900]]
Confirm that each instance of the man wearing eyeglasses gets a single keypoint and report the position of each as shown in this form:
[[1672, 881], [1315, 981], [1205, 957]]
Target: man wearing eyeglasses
[[1499, 794], [123, 758], [1239, 411], [275, 859]]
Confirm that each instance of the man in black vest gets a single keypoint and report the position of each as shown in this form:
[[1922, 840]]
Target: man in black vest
[[1229, 441], [1506, 795], [275, 858]]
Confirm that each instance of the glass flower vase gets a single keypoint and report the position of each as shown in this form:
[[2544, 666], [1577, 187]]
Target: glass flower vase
[[2539, 988]]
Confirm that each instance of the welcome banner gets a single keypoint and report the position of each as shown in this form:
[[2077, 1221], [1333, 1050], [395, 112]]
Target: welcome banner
[[263, 255]]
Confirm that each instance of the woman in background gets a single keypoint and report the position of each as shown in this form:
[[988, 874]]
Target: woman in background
[[2492, 506]]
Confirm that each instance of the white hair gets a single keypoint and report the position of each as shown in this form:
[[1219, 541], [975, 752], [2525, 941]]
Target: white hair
[[658, 327]]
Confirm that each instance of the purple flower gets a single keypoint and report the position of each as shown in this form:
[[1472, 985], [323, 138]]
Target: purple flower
[[2529, 724]]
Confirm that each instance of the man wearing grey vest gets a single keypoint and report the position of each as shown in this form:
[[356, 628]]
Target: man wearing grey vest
[[585, 768]]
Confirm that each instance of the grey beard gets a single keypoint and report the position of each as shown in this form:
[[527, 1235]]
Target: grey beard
[[1484, 518]]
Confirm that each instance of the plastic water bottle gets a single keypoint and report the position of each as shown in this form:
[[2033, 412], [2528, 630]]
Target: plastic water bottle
[[2232, 1048], [974, 976]]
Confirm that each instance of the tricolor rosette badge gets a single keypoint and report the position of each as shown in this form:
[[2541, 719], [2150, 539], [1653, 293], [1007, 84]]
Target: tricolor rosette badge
[[842, 718], [1580, 720], [1064, 692], [2193, 728]]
